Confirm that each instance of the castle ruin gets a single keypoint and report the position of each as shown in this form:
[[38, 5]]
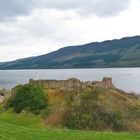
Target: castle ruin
[[72, 84]]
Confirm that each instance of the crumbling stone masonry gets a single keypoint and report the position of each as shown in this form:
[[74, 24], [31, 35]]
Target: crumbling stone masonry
[[73, 84]]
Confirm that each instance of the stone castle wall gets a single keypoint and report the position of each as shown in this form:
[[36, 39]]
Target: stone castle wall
[[73, 84]]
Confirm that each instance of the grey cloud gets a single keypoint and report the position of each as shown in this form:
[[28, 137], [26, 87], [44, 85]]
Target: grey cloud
[[13, 8], [97, 7]]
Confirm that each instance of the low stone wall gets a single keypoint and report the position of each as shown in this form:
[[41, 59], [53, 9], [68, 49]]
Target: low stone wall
[[72, 84]]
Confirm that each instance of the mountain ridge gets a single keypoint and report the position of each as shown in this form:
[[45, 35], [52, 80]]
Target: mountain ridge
[[123, 52]]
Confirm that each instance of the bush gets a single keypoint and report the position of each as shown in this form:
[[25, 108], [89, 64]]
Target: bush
[[29, 97], [91, 114]]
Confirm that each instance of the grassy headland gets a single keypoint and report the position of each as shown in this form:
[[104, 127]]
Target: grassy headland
[[94, 112]]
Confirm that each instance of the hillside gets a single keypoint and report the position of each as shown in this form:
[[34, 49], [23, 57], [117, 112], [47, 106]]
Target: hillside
[[73, 104], [98, 106], [113, 53]]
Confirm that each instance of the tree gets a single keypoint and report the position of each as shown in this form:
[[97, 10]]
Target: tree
[[29, 97]]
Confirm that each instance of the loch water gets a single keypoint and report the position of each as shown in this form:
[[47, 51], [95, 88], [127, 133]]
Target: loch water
[[127, 79]]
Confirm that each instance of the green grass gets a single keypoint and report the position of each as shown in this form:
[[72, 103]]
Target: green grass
[[22, 119], [13, 132], [30, 127]]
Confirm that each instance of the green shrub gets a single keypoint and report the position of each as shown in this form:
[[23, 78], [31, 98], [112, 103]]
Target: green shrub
[[29, 97], [89, 113]]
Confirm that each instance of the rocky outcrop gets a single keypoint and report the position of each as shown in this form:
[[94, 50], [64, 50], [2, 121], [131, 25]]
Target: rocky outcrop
[[107, 82], [73, 84], [1, 98], [4, 94]]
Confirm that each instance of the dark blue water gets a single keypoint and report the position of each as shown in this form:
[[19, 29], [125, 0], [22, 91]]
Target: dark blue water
[[127, 79]]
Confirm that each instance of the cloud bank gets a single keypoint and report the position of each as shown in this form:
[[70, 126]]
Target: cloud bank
[[12, 8]]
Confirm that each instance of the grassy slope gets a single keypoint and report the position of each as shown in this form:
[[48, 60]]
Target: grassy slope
[[29, 127], [14, 132], [22, 119]]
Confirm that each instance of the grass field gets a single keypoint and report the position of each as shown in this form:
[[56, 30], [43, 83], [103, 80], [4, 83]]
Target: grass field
[[14, 132], [22, 119], [30, 127]]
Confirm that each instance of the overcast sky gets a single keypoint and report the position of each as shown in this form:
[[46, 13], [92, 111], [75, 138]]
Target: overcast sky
[[34, 27]]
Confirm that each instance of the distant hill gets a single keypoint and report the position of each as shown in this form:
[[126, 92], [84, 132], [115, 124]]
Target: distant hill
[[123, 52]]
